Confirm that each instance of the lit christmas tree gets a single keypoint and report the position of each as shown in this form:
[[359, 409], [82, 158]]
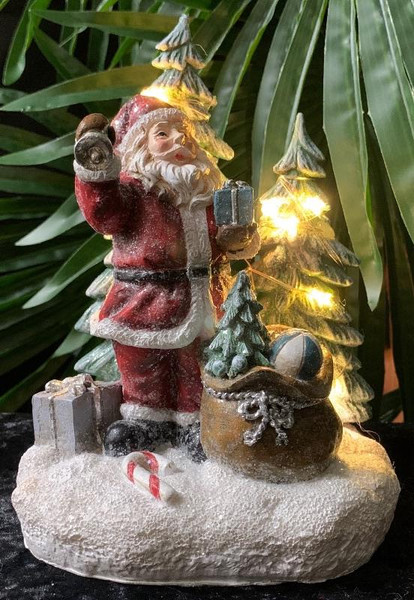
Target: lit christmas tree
[[181, 86], [299, 270], [242, 341]]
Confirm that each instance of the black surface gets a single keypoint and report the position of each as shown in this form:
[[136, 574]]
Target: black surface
[[388, 576]]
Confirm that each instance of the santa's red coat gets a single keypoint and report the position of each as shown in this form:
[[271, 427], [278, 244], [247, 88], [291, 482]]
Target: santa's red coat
[[147, 233]]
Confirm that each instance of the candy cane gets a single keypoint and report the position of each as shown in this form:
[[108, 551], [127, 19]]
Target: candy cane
[[143, 469]]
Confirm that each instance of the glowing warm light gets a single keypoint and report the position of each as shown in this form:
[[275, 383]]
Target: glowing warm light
[[339, 389], [156, 91], [284, 224], [288, 225], [271, 206], [314, 205], [320, 298]]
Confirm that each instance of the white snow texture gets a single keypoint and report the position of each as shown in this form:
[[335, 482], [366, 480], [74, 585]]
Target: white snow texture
[[81, 514]]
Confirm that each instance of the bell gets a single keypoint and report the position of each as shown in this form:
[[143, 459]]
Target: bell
[[94, 151]]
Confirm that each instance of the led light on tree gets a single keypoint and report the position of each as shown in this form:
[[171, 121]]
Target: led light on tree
[[314, 205], [320, 298], [286, 226], [162, 93]]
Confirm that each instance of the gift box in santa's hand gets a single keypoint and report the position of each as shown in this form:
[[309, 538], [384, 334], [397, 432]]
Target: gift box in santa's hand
[[145, 181]]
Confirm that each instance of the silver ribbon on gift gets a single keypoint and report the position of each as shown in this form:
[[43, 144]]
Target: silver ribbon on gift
[[234, 187], [74, 386]]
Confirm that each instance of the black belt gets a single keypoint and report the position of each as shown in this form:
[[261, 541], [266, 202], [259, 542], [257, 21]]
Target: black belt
[[165, 276]]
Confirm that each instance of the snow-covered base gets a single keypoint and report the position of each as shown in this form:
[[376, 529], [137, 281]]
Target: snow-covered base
[[81, 514]]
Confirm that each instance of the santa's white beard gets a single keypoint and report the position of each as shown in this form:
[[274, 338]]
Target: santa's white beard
[[191, 184]]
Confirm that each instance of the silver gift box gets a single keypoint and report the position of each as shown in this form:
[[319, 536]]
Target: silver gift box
[[74, 418], [233, 204]]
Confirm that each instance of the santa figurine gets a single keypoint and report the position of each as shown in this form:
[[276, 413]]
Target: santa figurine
[[145, 181]]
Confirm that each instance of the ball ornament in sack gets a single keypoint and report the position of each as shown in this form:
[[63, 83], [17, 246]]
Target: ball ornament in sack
[[297, 354]]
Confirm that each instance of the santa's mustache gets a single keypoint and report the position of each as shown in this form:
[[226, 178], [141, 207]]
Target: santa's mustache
[[177, 148]]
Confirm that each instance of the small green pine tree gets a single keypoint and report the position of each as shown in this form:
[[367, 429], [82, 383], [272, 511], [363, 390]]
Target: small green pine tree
[[100, 361], [242, 341], [180, 60]]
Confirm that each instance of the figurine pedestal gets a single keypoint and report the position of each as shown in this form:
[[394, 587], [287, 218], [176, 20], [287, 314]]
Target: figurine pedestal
[[82, 515]]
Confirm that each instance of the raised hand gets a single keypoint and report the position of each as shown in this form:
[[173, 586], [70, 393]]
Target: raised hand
[[94, 142]]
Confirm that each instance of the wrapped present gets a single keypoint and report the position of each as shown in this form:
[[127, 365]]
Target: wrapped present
[[72, 415], [233, 203], [108, 399]]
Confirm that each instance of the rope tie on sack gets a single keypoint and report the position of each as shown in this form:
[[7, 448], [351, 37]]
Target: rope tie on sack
[[273, 410]]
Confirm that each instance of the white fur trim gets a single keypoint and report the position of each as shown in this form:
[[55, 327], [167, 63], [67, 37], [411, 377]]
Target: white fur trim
[[87, 175], [161, 415], [200, 317], [177, 337], [250, 251], [197, 241], [108, 259], [148, 119]]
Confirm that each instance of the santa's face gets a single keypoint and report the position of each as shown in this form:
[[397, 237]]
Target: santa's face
[[170, 141]]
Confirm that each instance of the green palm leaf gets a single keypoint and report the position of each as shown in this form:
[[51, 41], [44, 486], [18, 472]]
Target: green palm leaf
[[97, 86], [14, 139], [131, 24], [43, 153], [212, 32], [64, 218], [201, 4], [345, 132], [26, 207], [237, 61], [66, 65], [282, 82], [403, 17], [18, 394], [48, 253], [382, 63], [34, 181], [16, 287], [16, 58], [89, 254]]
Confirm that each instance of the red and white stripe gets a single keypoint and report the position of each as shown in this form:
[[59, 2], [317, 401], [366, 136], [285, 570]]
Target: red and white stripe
[[144, 468]]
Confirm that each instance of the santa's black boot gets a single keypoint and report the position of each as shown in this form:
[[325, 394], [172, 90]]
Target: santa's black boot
[[189, 438], [125, 436]]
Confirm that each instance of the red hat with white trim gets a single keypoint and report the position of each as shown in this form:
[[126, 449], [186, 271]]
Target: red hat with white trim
[[141, 111]]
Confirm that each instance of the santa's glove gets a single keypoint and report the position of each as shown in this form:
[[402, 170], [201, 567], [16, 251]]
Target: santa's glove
[[238, 241], [94, 156]]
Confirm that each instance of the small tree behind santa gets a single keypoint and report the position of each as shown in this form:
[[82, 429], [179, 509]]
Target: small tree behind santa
[[180, 60], [100, 361], [181, 86], [242, 341]]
